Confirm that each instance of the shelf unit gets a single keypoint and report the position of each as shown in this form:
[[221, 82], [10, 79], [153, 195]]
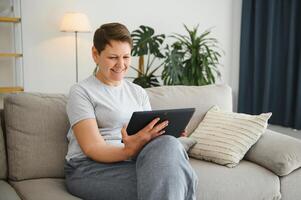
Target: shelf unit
[[11, 55], [10, 19], [11, 60], [11, 89]]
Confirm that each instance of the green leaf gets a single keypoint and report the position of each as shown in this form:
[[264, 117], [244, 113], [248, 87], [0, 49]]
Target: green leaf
[[199, 62], [144, 42]]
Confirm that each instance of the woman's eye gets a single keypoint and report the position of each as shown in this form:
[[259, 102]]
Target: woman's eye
[[113, 57]]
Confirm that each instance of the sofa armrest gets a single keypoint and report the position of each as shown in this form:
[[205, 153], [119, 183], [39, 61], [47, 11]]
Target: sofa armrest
[[276, 152]]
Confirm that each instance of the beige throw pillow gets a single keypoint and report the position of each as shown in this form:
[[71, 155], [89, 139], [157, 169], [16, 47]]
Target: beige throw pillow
[[225, 137], [277, 152]]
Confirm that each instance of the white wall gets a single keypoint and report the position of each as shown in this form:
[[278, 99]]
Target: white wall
[[233, 70], [49, 55]]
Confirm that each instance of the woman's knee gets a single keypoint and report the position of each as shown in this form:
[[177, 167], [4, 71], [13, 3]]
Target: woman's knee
[[165, 147], [166, 140]]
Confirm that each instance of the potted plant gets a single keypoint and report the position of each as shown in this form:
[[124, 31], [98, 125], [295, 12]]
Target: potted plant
[[146, 43], [192, 59]]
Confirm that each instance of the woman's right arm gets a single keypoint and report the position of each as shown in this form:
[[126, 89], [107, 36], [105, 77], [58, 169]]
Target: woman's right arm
[[95, 147]]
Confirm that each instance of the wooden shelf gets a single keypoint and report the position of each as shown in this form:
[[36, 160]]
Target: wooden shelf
[[11, 55], [11, 89], [10, 19]]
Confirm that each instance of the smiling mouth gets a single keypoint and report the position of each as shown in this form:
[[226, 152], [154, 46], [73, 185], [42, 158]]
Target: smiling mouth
[[118, 71]]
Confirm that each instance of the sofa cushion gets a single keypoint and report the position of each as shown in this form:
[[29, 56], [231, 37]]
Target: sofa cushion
[[36, 128], [7, 192], [225, 137], [46, 189], [290, 185], [246, 181], [3, 167], [200, 97], [276, 152]]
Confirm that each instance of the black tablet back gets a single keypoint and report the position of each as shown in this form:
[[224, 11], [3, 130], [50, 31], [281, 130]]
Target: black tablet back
[[177, 118]]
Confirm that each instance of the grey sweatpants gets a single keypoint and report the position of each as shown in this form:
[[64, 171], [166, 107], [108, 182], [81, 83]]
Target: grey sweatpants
[[161, 171]]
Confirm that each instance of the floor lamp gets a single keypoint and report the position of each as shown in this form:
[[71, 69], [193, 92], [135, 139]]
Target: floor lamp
[[76, 23]]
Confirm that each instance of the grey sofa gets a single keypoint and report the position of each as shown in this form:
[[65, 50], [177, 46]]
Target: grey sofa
[[33, 147]]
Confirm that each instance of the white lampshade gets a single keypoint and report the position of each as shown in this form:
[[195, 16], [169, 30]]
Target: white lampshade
[[75, 22]]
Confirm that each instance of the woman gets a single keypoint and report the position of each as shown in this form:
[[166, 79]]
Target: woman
[[98, 165]]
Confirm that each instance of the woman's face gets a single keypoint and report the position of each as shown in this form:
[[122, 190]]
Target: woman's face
[[113, 62]]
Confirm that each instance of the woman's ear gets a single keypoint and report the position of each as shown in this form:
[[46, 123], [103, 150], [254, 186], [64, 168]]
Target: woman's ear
[[95, 54]]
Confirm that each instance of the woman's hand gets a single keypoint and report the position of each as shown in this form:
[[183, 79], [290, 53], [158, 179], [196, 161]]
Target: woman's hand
[[134, 143], [184, 133]]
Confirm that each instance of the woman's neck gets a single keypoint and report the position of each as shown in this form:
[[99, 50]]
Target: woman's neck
[[104, 80]]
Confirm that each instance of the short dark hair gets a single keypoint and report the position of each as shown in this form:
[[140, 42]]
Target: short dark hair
[[111, 31]]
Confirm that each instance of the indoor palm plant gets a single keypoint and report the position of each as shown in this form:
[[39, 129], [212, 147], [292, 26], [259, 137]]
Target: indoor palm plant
[[192, 59], [146, 43]]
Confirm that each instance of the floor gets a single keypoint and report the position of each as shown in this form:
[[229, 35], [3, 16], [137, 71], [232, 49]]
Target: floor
[[285, 130]]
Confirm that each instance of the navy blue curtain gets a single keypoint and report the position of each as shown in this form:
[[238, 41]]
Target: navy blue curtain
[[270, 60]]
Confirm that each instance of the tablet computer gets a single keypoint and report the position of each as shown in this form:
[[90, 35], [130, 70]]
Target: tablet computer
[[177, 118]]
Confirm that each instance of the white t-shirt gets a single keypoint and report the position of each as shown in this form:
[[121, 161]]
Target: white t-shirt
[[111, 106]]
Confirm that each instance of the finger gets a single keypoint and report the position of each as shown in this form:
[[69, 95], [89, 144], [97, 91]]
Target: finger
[[124, 134], [158, 134], [160, 126], [151, 124], [184, 133]]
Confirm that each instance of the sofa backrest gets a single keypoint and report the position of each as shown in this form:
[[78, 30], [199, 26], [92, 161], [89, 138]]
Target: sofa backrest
[[36, 128], [200, 97], [3, 163], [37, 124]]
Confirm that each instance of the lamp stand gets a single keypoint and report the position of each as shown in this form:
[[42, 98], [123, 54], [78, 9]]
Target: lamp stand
[[76, 59]]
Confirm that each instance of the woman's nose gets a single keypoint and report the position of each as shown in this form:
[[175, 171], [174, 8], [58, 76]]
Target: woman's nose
[[120, 62]]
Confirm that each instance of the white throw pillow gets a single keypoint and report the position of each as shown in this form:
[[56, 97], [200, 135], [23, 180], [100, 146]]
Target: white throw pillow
[[225, 137]]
